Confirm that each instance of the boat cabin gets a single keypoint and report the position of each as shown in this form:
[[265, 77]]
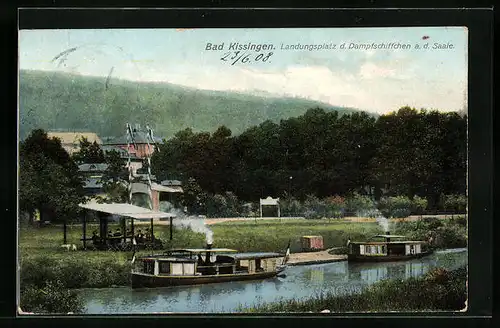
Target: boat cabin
[[207, 261], [387, 248]]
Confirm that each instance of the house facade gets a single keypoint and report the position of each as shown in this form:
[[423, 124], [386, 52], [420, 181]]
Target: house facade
[[70, 141], [93, 174]]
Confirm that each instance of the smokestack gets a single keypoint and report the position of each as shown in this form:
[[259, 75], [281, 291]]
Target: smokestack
[[387, 239], [207, 256]]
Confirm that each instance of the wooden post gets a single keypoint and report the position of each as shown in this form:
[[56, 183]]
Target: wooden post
[[85, 230], [152, 232], [171, 227], [124, 229], [64, 232], [132, 227]]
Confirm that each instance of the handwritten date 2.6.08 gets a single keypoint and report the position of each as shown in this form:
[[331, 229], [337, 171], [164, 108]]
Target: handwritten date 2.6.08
[[242, 57]]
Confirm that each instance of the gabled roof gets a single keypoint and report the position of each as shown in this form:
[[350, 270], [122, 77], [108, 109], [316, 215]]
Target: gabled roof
[[171, 183], [90, 167], [158, 187], [93, 183], [127, 210], [74, 137], [140, 138]]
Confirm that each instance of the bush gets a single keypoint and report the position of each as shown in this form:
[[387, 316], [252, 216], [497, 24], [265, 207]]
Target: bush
[[314, 208], [438, 290], [418, 205], [451, 236], [216, 205], [336, 206], [291, 207], [52, 297], [432, 223], [395, 207], [459, 220], [361, 205], [453, 203]]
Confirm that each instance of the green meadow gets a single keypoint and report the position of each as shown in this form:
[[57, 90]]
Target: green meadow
[[43, 258]]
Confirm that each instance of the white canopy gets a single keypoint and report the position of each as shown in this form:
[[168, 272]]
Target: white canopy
[[269, 201], [128, 210], [159, 187]]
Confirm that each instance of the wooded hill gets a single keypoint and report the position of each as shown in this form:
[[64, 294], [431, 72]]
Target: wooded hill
[[62, 101]]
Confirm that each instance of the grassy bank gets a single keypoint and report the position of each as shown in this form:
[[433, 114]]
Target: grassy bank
[[438, 290], [273, 235], [42, 258], [49, 272]]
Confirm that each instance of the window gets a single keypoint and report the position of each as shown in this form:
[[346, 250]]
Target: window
[[177, 268], [188, 268], [149, 267], [165, 267], [418, 249]]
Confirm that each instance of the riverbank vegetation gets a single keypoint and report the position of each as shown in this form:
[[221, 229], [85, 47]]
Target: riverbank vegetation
[[49, 272], [438, 290]]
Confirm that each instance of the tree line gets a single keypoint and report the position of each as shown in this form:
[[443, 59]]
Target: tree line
[[404, 153], [320, 154]]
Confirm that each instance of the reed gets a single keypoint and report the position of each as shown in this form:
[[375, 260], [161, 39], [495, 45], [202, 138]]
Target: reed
[[438, 290]]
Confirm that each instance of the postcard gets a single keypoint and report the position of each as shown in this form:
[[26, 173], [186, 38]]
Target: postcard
[[258, 170]]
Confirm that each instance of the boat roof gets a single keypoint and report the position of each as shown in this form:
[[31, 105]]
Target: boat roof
[[244, 256], [203, 250], [166, 258], [388, 242], [390, 236]]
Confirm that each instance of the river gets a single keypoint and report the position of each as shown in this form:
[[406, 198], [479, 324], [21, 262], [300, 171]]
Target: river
[[300, 282]]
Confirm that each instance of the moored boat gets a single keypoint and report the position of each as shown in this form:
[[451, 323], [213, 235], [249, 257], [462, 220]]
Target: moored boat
[[192, 266], [386, 249]]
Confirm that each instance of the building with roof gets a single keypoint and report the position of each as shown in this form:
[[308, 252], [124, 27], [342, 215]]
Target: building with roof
[[142, 150], [70, 141], [135, 162], [93, 173]]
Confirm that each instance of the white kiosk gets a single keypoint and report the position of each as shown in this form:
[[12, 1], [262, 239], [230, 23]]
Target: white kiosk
[[269, 201]]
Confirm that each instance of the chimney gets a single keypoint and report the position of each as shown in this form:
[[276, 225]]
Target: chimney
[[387, 239], [207, 256]]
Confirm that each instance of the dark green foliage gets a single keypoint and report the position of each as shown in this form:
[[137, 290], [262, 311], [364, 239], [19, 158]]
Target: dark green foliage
[[89, 152], [255, 147], [438, 290], [52, 100], [49, 179], [50, 298], [395, 207], [322, 154], [444, 233], [361, 205], [453, 203]]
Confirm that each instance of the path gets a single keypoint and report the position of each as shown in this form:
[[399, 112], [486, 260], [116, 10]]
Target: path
[[211, 221], [315, 258]]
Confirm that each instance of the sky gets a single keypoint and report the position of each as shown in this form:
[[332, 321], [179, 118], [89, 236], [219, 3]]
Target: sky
[[376, 80]]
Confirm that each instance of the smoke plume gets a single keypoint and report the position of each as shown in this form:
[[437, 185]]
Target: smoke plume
[[194, 223]]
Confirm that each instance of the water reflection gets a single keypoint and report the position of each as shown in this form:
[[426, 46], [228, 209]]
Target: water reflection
[[339, 278]]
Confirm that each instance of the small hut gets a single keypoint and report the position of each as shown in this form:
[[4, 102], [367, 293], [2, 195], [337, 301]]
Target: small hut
[[125, 212], [269, 201]]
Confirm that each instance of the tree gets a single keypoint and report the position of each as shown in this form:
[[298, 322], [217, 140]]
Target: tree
[[49, 179], [90, 152], [115, 178], [194, 198]]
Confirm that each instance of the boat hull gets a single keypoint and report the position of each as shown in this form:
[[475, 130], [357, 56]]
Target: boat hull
[[141, 280], [386, 258]]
